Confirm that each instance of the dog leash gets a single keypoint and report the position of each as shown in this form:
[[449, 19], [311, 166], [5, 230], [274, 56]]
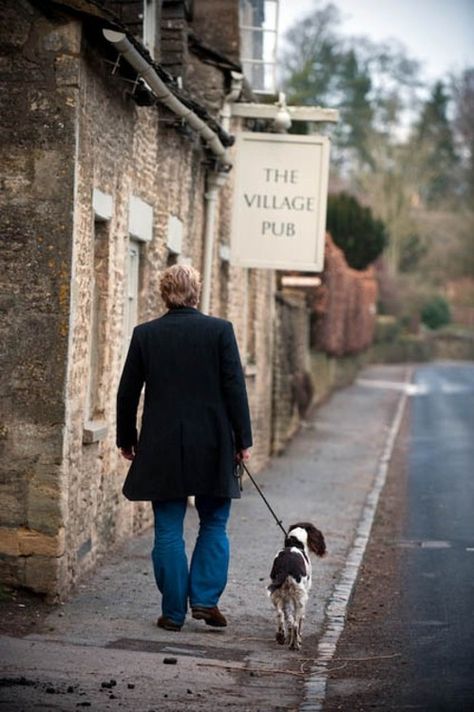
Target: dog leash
[[242, 466]]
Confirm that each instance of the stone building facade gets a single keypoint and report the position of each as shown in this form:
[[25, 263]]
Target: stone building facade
[[103, 188]]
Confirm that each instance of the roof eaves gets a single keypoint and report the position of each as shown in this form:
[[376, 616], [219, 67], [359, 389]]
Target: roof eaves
[[98, 13], [210, 56]]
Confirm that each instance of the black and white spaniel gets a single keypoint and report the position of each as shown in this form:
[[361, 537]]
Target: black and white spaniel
[[291, 580]]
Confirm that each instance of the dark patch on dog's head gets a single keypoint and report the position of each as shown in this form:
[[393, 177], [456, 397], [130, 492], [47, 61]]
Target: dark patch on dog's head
[[293, 541], [316, 542]]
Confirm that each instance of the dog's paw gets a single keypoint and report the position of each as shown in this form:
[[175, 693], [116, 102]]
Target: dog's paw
[[280, 637]]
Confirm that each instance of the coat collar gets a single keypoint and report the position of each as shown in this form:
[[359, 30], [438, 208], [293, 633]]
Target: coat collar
[[182, 310]]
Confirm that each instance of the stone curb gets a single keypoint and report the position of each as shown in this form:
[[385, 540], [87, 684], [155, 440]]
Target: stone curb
[[336, 609]]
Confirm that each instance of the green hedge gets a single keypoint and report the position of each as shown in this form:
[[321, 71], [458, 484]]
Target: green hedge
[[436, 313], [354, 229]]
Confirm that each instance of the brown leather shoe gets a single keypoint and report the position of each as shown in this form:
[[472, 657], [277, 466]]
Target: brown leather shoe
[[210, 616], [167, 624]]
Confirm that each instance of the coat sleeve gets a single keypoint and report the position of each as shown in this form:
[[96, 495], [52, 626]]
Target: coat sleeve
[[234, 390], [128, 396]]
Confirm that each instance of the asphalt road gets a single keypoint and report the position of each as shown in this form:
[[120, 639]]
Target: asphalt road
[[438, 569], [409, 642]]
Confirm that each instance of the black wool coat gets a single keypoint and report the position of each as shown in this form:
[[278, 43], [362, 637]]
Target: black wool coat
[[195, 413]]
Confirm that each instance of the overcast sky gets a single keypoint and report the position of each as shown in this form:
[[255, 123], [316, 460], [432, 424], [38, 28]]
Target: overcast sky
[[439, 33]]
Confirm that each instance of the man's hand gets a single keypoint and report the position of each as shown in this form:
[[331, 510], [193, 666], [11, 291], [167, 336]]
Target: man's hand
[[128, 453], [243, 455]]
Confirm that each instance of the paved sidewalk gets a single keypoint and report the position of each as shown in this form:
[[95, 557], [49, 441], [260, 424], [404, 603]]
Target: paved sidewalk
[[107, 631]]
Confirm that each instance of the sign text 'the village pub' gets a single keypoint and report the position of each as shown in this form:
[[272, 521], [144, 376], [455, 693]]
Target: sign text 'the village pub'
[[279, 209]]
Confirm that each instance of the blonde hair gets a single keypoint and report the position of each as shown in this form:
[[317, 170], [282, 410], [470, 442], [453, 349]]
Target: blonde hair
[[180, 286]]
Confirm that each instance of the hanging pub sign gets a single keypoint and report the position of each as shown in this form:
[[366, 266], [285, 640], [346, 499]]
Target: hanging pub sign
[[279, 204]]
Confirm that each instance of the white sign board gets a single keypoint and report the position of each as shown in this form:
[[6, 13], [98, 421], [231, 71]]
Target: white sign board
[[280, 197]]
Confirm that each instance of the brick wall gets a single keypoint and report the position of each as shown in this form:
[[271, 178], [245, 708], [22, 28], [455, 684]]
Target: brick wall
[[344, 306], [217, 24], [314, 332]]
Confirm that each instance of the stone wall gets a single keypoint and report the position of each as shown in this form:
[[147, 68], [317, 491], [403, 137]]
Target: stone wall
[[38, 99], [78, 153], [97, 191], [133, 154], [292, 385]]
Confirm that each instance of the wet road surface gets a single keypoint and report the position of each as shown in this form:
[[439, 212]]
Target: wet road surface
[[409, 640], [438, 571]]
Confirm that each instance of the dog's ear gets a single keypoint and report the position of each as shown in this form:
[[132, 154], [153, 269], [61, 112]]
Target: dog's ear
[[316, 542]]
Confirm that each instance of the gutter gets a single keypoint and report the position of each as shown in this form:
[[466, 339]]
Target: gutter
[[123, 45]]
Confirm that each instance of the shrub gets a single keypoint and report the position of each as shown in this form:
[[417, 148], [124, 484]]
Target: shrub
[[387, 329], [436, 313], [354, 229]]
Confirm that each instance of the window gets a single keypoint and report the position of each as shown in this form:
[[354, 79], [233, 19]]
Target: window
[[95, 428], [97, 322], [258, 41], [149, 25], [132, 289], [140, 231]]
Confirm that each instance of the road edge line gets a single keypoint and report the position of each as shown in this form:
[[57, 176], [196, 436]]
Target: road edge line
[[335, 613]]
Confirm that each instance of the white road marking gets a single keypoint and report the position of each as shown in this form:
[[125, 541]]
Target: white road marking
[[417, 389], [435, 545], [411, 389]]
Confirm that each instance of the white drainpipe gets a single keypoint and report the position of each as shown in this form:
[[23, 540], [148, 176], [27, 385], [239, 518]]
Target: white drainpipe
[[237, 81], [123, 45], [215, 181]]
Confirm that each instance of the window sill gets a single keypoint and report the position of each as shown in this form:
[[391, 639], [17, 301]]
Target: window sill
[[94, 431], [250, 369]]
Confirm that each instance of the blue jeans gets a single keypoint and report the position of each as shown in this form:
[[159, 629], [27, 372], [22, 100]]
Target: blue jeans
[[206, 578]]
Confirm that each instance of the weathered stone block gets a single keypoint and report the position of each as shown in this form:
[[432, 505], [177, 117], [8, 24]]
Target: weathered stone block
[[48, 171], [45, 508], [67, 68], [12, 570], [174, 44], [16, 24], [26, 542], [35, 543], [12, 499], [43, 442], [17, 172], [66, 38], [9, 544], [41, 574]]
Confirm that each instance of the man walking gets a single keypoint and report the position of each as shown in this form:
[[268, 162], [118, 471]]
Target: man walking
[[195, 426]]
